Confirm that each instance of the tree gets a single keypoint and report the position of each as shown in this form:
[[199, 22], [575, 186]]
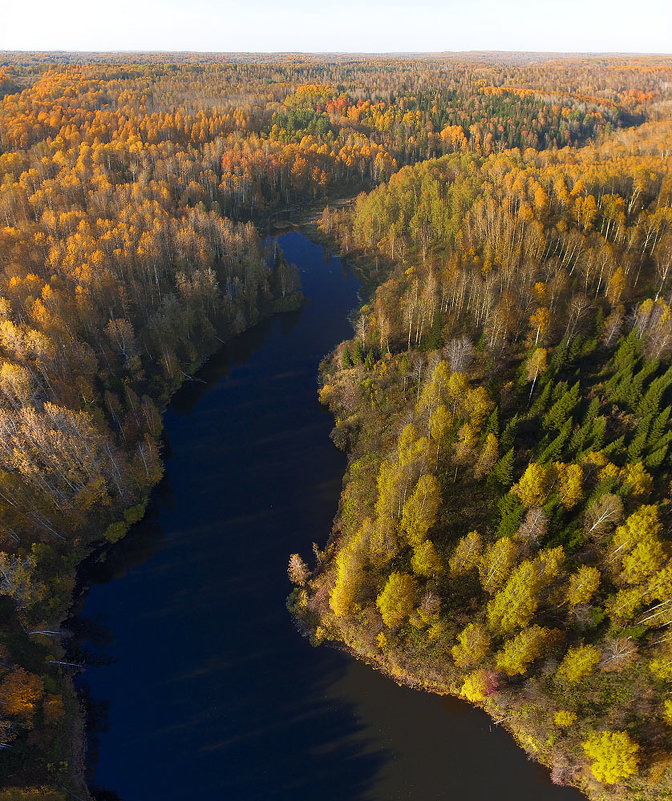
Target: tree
[[297, 570], [570, 478], [533, 486], [439, 426], [603, 513], [456, 394], [636, 479], [425, 561], [479, 685], [459, 353], [419, 512], [549, 564], [520, 651], [514, 606], [579, 662], [390, 485], [412, 451], [533, 528], [349, 574], [465, 445], [622, 606], [397, 599], [539, 322], [614, 755], [20, 694], [643, 561], [427, 613], [487, 458], [382, 538], [661, 664], [536, 365], [637, 546], [473, 644], [560, 412], [667, 712], [502, 472], [618, 653], [659, 587], [496, 563], [583, 585], [19, 579], [467, 554], [616, 286], [477, 406], [435, 390]]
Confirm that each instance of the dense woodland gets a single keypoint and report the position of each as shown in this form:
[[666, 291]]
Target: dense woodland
[[516, 231], [503, 531]]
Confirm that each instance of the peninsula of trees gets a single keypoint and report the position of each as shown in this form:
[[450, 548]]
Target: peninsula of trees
[[503, 531]]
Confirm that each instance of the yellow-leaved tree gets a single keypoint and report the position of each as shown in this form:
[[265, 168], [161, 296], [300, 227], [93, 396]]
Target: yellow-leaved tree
[[397, 599], [520, 651], [532, 488], [467, 554], [473, 643], [579, 662], [583, 585], [614, 755]]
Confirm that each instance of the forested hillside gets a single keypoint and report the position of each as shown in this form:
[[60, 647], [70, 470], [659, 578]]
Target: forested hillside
[[135, 191], [503, 532]]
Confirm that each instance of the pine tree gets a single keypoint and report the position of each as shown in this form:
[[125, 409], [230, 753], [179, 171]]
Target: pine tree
[[554, 448], [558, 414], [508, 437], [502, 472], [510, 511]]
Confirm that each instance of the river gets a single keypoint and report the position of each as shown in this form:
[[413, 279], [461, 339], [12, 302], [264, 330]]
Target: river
[[200, 685]]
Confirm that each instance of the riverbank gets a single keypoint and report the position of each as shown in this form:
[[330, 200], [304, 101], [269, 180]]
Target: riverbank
[[209, 691], [471, 504], [68, 752], [220, 458]]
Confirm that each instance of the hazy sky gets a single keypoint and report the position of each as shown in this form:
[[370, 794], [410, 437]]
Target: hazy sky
[[337, 25]]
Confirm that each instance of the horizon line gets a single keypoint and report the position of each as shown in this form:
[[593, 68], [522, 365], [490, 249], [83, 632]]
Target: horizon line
[[435, 53]]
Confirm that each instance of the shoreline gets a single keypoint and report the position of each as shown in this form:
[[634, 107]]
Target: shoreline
[[97, 551], [98, 548], [309, 628]]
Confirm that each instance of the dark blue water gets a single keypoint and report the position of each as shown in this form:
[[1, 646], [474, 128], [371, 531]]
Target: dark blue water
[[203, 689]]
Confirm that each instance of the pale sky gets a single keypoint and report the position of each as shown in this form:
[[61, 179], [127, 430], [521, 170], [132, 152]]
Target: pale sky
[[370, 26]]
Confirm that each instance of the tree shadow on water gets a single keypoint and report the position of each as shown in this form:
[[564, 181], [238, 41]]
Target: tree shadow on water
[[292, 741]]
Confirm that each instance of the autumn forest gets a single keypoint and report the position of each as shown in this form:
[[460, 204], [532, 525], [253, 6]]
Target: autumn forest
[[505, 401]]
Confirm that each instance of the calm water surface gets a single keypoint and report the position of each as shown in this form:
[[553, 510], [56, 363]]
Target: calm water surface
[[200, 684]]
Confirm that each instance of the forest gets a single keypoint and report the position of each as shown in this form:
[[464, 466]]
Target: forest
[[505, 405], [514, 224]]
